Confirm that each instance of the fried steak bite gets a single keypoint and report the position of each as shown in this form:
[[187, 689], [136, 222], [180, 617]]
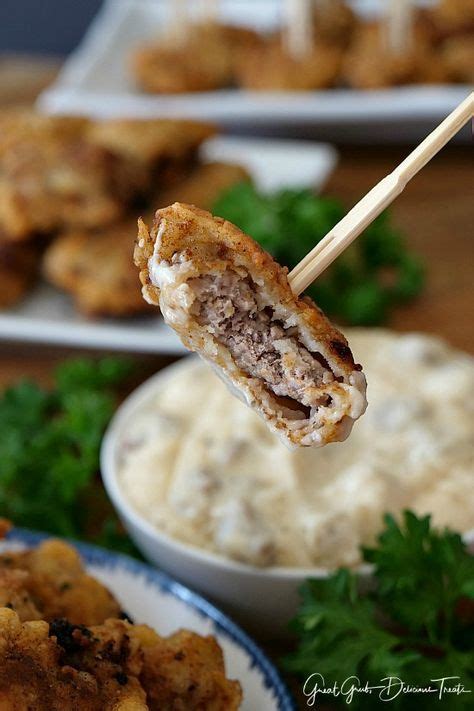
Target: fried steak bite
[[185, 671], [204, 61], [151, 151], [52, 176], [334, 22], [231, 302], [370, 64], [279, 71], [60, 173], [62, 667], [204, 184], [49, 582], [97, 269]]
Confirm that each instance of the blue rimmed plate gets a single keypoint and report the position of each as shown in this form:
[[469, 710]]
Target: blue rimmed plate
[[153, 598]]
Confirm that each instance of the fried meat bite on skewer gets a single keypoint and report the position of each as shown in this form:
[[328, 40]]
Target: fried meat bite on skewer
[[231, 302], [370, 64], [269, 66], [205, 61]]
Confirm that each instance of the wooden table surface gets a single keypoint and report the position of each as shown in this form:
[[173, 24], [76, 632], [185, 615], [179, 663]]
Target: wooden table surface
[[436, 212]]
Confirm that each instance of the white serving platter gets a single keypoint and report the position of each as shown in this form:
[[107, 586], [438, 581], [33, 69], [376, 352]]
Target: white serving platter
[[96, 81], [48, 316], [153, 598]]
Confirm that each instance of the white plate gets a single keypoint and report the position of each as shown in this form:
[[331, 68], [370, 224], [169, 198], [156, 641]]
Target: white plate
[[48, 315], [96, 81], [152, 598]]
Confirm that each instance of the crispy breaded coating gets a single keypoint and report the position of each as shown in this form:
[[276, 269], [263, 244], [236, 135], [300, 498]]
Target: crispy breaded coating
[[451, 18], [61, 173], [185, 671], [61, 648], [51, 580], [204, 184], [18, 271], [52, 176], [279, 71], [369, 64], [229, 301], [205, 61], [97, 269], [457, 56], [151, 145], [61, 667]]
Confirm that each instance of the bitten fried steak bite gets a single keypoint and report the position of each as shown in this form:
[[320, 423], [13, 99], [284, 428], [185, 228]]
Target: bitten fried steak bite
[[232, 303]]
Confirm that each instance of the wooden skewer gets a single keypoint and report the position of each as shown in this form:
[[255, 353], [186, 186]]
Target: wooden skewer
[[298, 35], [209, 10], [179, 21], [362, 214], [398, 26]]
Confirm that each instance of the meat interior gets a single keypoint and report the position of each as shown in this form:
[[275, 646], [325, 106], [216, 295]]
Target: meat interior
[[237, 315]]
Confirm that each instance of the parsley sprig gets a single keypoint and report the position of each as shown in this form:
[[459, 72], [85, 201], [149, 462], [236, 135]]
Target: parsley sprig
[[415, 621], [49, 451], [364, 284]]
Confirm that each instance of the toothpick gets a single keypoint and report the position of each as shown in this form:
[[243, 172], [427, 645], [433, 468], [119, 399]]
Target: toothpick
[[209, 11], [370, 207], [298, 34], [398, 26], [179, 21]]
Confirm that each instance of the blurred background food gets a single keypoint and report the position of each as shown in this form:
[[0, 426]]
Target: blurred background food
[[339, 48], [71, 188]]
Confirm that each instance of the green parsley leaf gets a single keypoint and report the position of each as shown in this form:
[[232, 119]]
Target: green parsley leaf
[[415, 621], [49, 451]]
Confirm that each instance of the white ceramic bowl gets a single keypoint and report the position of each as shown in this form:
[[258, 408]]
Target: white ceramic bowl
[[263, 599]]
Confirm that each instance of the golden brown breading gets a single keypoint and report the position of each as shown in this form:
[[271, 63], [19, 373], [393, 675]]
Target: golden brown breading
[[55, 584], [450, 18], [18, 269], [185, 671], [97, 269], [62, 668], [231, 302], [279, 71], [369, 64], [457, 56], [51, 176], [204, 185], [334, 22], [204, 62], [151, 142]]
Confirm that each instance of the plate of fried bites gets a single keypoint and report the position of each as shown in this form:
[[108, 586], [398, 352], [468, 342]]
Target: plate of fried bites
[[233, 66], [81, 627], [71, 191]]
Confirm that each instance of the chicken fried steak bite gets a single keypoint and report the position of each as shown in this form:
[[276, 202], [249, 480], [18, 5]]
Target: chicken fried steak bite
[[231, 302], [97, 269], [49, 582], [61, 667], [185, 671]]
